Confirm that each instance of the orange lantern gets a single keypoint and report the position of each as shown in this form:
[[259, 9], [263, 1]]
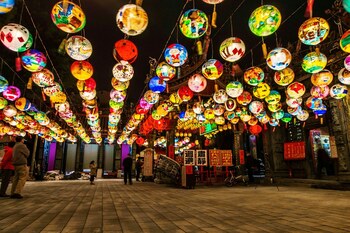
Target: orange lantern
[[255, 129], [81, 70], [125, 50]]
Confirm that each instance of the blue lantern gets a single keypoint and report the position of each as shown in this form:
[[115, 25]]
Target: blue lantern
[[157, 85], [176, 55], [3, 84]]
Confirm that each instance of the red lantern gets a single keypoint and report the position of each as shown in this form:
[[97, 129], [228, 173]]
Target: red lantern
[[185, 93], [141, 110], [255, 129], [125, 50], [140, 141]]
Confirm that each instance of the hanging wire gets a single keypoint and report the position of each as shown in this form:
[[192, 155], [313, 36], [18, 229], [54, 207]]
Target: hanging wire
[[276, 37], [1, 66], [252, 56], [212, 49], [231, 25], [194, 4], [21, 15], [302, 5]]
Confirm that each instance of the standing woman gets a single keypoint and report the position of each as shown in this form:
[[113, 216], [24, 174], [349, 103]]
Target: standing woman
[[93, 171], [7, 169]]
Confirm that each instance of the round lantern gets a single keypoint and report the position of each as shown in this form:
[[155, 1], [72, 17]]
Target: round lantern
[[279, 58], [132, 19], [274, 107], [220, 96], [278, 114], [117, 95], [140, 141], [347, 63], [273, 98], [255, 129], [78, 47], [234, 120], [176, 55], [23, 104], [230, 104], [296, 90], [344, 76], [33, 60], [3, 84], [303, 116], [212, 69], [245, 98], [175, 99], [52, 90], [157, 85], [256, 107], [6, 6], [123, 71], [185, 93], [165, 71], [314, 62], [209, 114], [81, 70], [234, 89], [193, 23], [265, 20], [254, 75], [86, 85], [284, 77], [11, 93], [125, 50], [197, 83], [3, 102], [16, 37], [261, 91], [218, 109], [198, 108], [213, 1], [62, 107], [219, 120], [229, 115], [151, 97], [273, 122], [294, 111], [156, 117], [232, 49], [320, 111], [116, 105], [319, 92], [287, 117], [324, 77], [294, 102], [40, 117], [346, 5], [144, 104], [338, 91], [119, 85], [10, 111], [245, 115], [345, 42], [68, 17], [43, 78], [313, 31]]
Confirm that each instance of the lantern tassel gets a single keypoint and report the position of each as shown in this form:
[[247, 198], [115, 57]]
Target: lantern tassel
[[61, 49], [43, 95], [304, 124], [18, 64], [30, 83], [274, 129], [199, 48], [264, 50], [213, 17], [321, 120], [139, 2], [308, 10], [295, 120]]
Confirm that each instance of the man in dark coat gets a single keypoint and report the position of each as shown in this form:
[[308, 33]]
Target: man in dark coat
[[127, 164]]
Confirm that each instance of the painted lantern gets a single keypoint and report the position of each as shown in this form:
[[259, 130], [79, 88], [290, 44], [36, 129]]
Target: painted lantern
[[86, 85], [234, 89], [125, 50], [197, 83], [219, 109], [43, 78], [157, 85], [324, 77], [345, 42], [68, 17], [212, 69], [175, 55], [245, 98], [303, 116], [287, 117], [6, 6], [220, 96], [261, 91], [230, 104], [151, 97], [16, 37], [132, 19], [23, 104], [165, 71], [338, 91], [254, 75], [265, 20], [78, 47], [232, 49], [294, 102], [3, 102], [52, 90], [314, 62], [273, 98], [123, 71], [81, 70], [185, 93], [319, 92], [296, 90], [347, 62], [313, 31], [119, 85], [313, 103], [279, 58], [33, 60], [278, 114], [193, 23], [11, 93], [3, 84], [198, 108], [117, 95], [344, 76], [256, 107], [284, 77]]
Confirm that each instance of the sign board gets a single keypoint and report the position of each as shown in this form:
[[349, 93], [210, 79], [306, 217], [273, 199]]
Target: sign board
[[189, 158], [214, 158], [148, 162], [294, 150], [333, 147], [241, 157], [226, 157], [207, 128], [201, 158]]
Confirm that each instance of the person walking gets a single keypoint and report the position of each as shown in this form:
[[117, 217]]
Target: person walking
[[6, 169], [93, 171], [19, 161], [138, 169], [127, 164]]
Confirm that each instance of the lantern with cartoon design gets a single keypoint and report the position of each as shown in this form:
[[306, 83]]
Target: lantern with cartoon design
[[132, 19], [176, 55], [52, 90], [81, 70], [256, 107], [123, 71], [313, 31], [197, 83], [175, 99], [284, 77], [185, 93], [338, 91], [296, 90], [279, 58], [117, 95], [151, 97], [43, 78], [245, 98], [344, 76], [218, 109], [319, 92], [68, 17], [254, 75], [303, 116], [119, 85], [78, 47], [314, 62], [265, 20], [220, 96], [193, 23], [274, 107], [324, 77], [86, 85], [165, 72], [23, 104], [157, 85], [261, 91], [198, 108], [209, 114], [212, 69], [232, 49], [234, 89], [294, 102]]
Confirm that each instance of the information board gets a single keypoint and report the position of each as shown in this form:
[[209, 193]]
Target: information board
[[294, 150]]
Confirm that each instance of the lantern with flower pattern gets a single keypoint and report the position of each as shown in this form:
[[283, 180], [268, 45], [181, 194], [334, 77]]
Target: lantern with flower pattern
[[43, 78], [123, 71]]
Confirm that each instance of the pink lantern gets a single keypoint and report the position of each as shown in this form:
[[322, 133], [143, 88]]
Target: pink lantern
[[197, 83], [144, 104], [12, 93], [319, 92]]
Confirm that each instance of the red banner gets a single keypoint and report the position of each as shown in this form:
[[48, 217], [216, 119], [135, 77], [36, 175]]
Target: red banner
[[294, 150], [241, 157], [214, 156]]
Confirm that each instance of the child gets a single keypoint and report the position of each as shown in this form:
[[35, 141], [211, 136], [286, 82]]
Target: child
[[93, 171]]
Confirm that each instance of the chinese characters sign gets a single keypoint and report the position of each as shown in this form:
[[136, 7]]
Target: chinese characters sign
[[294, 151]]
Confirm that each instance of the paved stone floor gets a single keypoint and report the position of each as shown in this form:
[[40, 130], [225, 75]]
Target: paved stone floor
[[111, 206]]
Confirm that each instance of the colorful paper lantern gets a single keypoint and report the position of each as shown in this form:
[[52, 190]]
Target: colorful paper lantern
[[23, 104], [219, 109], [176, 55], [52, 90], [294, 111], [229, 115], [198, 108], [81, 70], [314, 62], [284, 77], [273, 98], [256, 107], [278, 114], [232, 49], [62, 107], [245, 115], [347, 63], [294, 102], [157, 85], [346, 5], [234, 89], [274, 122], [78, 47], [144, 104], [132, 19], [116, 105], [197, 83], [245, 98], [338, 91], [86, 85], [16, 37], [10, 111], [320, 111], [324, 77], [345, 42], [151, 97], [230, 104], [11, 93], [313, 103], [165, 71], [303, 116], [220, 96], [254, 75], [261, 91], [279, 58], [212, 69], [68, 17], [33, 60], [313, 31], [117, 95], [219, 120], [193, 23], [123, 71], [59, 97], [6, 6], [213, 1], [274, 107], [3, 84], [287, 117], [175, 99], [319, 92], [209, 114], [185, 93], [296, 90], [119, 85], [43, 78], [344, 76], [3, 103], [125, 50], [265, 20]]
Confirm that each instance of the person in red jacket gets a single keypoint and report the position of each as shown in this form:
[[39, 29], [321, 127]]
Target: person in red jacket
[[6, 169]]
